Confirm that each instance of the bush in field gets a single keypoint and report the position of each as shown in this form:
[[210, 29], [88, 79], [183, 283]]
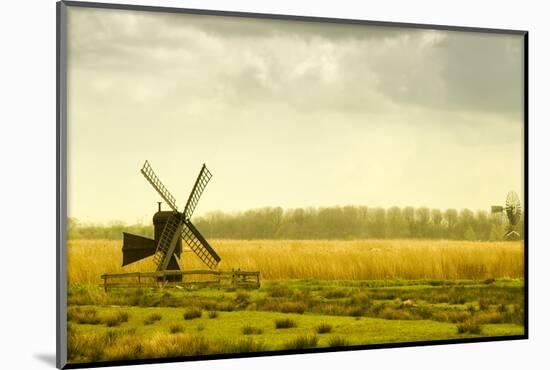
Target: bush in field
[[394, 314], [242, 296], [83, 316], [280, 291], [338, 341], [469, 327], [212, 314], [334, 293], [176, 328], [116, 319], [192, 313], [285, 323], [301, 342], [324, 328], [152, 318], [489, 318], [248, 330]]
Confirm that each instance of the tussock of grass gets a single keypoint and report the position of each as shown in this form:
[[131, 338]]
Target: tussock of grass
[[176, 328], [335, 293], [115, 319], [152, 318], [212, 314], [489, 317], [338, 341], [469, 327], [285, 323], [242, 296], [249, 330], [395, 314], [192, 313], [451, 316], [324, 328], [280, 291], [301, 342], [83, 316], [282, 305]]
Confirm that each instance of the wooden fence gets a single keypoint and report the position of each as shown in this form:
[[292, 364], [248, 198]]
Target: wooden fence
[[162, 279]]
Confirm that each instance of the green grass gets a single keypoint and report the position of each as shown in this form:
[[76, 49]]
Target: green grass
[[248, 330], [331, 314]]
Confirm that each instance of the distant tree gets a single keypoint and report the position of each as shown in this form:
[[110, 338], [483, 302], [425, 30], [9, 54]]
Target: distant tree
[[451, 217], [423, 222], [470, 234], [437, 220]]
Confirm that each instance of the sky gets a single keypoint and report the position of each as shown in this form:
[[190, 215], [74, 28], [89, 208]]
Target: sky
[[288, 114]]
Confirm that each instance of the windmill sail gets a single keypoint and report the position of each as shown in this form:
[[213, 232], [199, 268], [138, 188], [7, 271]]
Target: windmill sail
[[153, 179], [168, 241], [198, 244], [198, 188]]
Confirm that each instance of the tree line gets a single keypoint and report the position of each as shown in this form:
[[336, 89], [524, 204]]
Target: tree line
[[349, 222]]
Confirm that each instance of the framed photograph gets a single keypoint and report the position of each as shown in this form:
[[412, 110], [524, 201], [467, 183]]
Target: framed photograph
[[234, 184]]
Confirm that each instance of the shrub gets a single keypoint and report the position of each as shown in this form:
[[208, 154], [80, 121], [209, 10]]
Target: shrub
[[280, 291], [360, 299], [394, 314], [192, 313], [469, 327], [338, 341], [324, 328], [489, 318], [176, 328], [285, 323], [212, 314], [116, 318], [301, 342], [80, 316], [248, 330], [242, 346], [242, 297], [335, 293], [451, 316], [152, 318]]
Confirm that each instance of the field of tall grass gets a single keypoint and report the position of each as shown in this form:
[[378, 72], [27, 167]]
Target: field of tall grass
[[322, 260]]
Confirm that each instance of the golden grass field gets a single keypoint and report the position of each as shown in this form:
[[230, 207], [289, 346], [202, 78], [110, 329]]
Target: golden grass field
[[324, 260]]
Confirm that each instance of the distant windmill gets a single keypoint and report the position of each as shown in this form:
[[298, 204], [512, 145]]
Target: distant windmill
[[512, 209]]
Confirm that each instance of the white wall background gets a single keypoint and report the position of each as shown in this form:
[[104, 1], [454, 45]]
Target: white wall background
[[27, 182]]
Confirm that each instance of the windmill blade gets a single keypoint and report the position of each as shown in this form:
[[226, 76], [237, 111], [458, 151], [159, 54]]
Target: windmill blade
[[198, 244], [168, 241], [198, 188], [153, 179]]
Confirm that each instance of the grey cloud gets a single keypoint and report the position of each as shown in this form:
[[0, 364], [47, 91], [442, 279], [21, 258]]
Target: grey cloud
[[305, 65]]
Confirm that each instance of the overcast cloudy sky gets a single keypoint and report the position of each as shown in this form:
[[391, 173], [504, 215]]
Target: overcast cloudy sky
[[288, 114]]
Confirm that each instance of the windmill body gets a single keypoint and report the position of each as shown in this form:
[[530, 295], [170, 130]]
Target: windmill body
[[172, 229]]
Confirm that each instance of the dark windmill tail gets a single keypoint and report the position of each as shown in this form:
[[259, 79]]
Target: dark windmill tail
[[198, 244], [135, 248]]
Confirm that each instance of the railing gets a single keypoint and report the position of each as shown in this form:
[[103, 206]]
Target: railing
[[165, 279]]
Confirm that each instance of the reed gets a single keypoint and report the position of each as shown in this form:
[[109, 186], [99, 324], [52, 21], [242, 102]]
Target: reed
[[324, 260]]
